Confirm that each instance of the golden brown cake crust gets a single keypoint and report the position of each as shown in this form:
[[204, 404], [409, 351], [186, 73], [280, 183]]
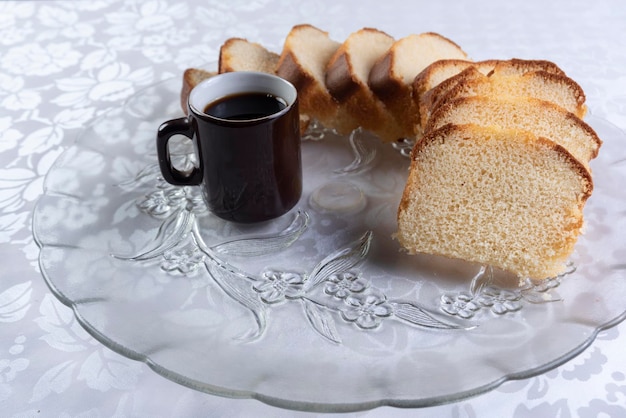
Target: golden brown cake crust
[[576, 166], [340, 80], [379, 81], [289, 69]]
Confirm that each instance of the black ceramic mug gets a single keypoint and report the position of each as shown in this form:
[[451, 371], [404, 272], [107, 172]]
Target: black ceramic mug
[[245, 130]]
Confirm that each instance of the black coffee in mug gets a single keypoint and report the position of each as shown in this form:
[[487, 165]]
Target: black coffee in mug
[[245, 106], [245, 129]]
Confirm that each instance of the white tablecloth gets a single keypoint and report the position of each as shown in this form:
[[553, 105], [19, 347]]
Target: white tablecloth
[[62, 63]]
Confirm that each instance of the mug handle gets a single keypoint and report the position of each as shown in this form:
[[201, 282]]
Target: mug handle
[[171, 174]]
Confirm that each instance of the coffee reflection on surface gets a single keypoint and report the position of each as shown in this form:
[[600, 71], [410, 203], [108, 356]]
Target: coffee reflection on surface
[[245, 106]]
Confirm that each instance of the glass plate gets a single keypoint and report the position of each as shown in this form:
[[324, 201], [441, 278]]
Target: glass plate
[[319, 309]]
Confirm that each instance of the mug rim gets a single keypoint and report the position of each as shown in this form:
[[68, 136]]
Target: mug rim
[[232, 77]]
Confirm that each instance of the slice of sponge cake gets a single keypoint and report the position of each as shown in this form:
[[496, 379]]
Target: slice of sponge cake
[[237, 54], [391, 77], [432, 84], [500, 197], [346, 79], [306, 52], [556, 88], [543, 118]]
